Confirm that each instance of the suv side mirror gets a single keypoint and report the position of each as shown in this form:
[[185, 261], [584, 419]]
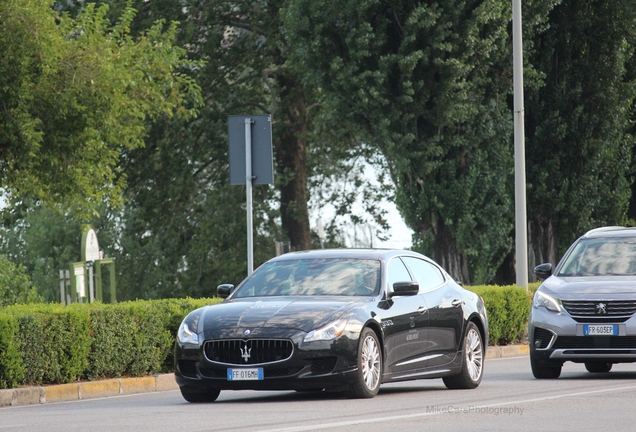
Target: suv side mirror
[[543, 271], [224, 290]]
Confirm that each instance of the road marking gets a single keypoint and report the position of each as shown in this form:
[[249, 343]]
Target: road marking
[[428, 414]]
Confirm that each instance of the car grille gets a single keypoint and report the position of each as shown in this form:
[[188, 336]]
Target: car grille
[[542, 338], [587, 310], [574, 342], [248, 352]]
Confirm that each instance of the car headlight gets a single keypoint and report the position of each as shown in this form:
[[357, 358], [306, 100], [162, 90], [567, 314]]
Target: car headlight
[[329, 332], [187, 333], [544, 300]]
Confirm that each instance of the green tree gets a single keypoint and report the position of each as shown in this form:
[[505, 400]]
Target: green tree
[[578, 138], [15, 284], [427, 83], [74, 93]]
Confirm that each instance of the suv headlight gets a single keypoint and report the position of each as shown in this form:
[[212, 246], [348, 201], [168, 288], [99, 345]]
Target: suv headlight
[[331, 331], [546, 301], [188, 329]]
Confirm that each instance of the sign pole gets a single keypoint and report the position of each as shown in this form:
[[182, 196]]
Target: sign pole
[[248, 191]]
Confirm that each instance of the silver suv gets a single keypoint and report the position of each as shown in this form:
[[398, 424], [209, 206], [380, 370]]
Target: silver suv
[[584, 310]]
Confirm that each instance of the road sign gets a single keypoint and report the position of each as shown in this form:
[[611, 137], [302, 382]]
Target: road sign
[[262, 154]]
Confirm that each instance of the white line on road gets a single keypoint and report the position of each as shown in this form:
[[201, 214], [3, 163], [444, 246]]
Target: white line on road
[[427, 414]]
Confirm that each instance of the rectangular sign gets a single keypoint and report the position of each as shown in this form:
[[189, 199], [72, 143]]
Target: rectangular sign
[[600, 330], [255, 374], [262, 153]]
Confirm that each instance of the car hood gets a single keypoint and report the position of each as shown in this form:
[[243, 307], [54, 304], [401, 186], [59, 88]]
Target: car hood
[[295, 313], [590, 287]]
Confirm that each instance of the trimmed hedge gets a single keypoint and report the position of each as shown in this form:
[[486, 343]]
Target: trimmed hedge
[[55, 344], [508, 308]]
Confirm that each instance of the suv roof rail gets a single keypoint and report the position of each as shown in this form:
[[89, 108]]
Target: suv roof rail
[[601, 229]]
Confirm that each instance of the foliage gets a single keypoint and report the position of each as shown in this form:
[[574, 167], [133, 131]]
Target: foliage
[[67, 343], [508, 308], [74, 94], [11, 365], [579, 123], [427, 85], [15, 284], [42, 242]]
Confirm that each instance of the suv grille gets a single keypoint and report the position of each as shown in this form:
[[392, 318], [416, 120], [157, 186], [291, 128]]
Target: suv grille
[[600, 308], [248, 352]]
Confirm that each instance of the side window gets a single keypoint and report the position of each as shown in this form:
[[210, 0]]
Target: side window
[[425, 273], [397, 272]]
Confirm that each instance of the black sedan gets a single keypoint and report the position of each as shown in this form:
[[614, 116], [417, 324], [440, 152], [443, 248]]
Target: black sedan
[[338, 320]]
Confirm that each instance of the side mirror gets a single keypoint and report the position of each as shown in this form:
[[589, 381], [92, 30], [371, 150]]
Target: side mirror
[[224, 290], [407, 288], [543, 271]]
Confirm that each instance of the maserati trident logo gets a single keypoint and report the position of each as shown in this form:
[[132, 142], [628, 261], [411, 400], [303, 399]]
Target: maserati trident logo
[[245, 353], [601, 309]]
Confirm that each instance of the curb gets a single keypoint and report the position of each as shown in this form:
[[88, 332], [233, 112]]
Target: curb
[[87, 390], [155, 383], [507, 351]]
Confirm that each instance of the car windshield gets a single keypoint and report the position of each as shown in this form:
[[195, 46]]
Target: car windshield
[[312, 277], [602, 257]]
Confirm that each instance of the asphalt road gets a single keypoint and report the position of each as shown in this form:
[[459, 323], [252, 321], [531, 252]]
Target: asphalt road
[[509, 398]]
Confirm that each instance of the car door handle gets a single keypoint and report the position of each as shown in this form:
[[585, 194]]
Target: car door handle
[[422, 310], [457, 302]]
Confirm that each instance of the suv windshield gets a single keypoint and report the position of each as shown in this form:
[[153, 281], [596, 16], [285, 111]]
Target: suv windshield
[[307, 277], [601, 257]]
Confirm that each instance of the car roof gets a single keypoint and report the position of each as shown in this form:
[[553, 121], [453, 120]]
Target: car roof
[[377, 254], [611, 231]]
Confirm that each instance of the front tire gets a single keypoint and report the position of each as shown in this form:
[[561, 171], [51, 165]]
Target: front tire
[[200, 397], [369, 372], [473, 363], [543, 370], [598, 367]]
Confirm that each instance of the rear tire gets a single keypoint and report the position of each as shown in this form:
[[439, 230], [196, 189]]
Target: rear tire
[[200, 397], [544, 370], [473, 362], [369, 374], [598, 367]]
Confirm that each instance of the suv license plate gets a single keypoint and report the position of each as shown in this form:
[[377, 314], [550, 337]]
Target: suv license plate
[[600, 330], [245, 374]]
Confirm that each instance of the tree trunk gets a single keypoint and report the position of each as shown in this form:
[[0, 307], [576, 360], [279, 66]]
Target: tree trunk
[[291, 156], [447, 254], [543, 244]]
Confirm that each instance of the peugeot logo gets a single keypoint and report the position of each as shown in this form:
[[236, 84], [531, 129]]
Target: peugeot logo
[[601, 309], [245, 353]]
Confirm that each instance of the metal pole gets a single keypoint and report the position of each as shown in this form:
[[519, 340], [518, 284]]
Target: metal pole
[[248, 191], [521, 236]]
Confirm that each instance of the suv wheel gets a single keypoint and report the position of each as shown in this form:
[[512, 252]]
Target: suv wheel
[[545, 370]]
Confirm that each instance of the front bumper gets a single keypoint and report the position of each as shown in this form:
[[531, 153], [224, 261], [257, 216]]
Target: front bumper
[[317, 365], [558, 337]]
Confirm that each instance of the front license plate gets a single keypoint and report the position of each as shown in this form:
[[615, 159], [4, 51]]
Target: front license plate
[[600, 330], [245, 374]]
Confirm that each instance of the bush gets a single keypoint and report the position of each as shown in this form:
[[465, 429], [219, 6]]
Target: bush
[[49, 343], [508, 308]]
